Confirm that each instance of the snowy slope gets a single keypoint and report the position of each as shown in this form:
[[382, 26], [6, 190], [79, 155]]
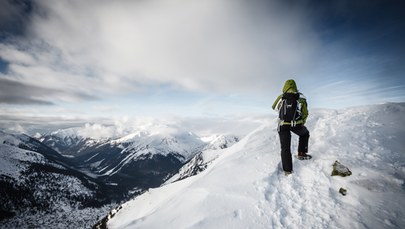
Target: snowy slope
[[219, 141], [243, 188], [37, 191], [14, 160]]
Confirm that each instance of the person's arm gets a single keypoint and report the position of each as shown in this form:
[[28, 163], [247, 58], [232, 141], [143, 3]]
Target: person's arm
[[277, 102], [304, 109]]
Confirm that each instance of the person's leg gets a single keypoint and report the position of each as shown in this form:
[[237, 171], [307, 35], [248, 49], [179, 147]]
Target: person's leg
[[303, 134], [285, 142]]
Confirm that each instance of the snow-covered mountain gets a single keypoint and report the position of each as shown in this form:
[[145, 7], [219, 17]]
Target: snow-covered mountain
[[137, 161], [36, 183], [242, 186], [69, 142], [65, 172], [219, 141]]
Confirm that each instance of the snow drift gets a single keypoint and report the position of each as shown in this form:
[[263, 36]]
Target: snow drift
[[242, 186]]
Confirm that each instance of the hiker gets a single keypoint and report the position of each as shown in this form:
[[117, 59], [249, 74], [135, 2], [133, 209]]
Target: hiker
[[293, 113]]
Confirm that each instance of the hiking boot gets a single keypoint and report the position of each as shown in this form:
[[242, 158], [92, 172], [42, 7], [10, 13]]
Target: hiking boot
[[287, 173], [302, 154]]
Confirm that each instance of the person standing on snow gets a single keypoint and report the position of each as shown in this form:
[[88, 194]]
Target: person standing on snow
[[293, 113]]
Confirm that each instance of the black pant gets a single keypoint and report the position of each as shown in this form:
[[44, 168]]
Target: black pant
[[285, 141]]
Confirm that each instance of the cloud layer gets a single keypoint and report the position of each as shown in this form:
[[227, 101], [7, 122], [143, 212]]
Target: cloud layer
[[113, 47], [79, 60]]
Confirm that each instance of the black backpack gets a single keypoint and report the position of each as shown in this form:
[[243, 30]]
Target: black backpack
[[290, 109]]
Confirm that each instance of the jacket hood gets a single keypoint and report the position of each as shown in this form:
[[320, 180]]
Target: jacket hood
[[290, 86]]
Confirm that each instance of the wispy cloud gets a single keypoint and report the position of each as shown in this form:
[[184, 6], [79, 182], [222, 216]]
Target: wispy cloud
[[190, 56], [14, 92], [116, 46]]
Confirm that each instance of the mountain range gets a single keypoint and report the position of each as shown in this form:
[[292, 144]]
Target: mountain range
[[173, 177], [63, 168]]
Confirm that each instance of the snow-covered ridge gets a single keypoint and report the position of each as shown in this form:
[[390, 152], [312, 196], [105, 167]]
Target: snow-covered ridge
[[183, 143], [243, 187], [159, 139], [34, 185], [14, 160], [9, 139], [219, 141]]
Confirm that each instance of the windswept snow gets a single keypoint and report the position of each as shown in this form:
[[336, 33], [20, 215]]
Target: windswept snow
[[244, 188]]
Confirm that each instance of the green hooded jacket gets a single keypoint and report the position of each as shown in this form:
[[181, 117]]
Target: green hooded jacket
[[291, 87]]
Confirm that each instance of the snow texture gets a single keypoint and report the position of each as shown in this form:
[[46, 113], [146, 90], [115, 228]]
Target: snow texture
[[14, 160], [57, 192], [242, 186]]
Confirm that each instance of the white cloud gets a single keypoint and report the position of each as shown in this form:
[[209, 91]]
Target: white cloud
[[13, 55], [75, 51], [96, 131], [121, 46], [202, 126], [16, 128]]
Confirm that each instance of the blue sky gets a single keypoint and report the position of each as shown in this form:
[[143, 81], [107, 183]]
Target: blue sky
[[82, 60]]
